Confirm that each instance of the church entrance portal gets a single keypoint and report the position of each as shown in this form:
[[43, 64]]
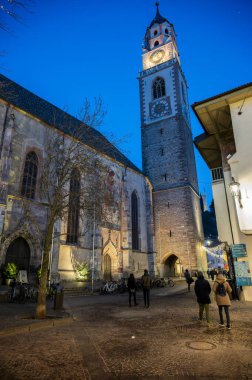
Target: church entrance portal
[[107, 267], [172, 267], [19, 253]]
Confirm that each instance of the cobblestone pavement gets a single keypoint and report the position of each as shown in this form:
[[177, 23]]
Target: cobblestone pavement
[[106, 339]]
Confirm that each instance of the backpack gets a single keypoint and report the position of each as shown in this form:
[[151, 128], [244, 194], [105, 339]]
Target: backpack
[[221, 290]]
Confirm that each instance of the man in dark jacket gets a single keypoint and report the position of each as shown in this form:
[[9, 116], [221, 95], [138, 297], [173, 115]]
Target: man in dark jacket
[[202, 290], [146, 282]]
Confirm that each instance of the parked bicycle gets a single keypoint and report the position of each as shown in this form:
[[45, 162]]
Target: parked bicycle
[[51, 291], [170, 282], [162, 283], [139, 284], [23, 292], [158, 283], [121, 286], [110, 287]]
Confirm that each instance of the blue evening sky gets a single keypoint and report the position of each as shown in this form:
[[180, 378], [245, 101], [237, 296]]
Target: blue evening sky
[[66, 51]]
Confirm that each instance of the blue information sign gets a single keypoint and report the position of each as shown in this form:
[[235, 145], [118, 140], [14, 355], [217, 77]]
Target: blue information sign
[[242, 273], [239, 250]]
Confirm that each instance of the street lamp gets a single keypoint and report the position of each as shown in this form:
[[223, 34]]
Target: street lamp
[[235, 190]]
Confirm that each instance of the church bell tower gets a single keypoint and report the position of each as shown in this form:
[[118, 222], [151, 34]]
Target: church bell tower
[[167, 152]]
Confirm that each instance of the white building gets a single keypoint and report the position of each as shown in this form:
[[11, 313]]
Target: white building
[[226, 148]]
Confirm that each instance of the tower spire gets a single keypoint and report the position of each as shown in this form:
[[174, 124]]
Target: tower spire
[[157, 14], [158, 18]]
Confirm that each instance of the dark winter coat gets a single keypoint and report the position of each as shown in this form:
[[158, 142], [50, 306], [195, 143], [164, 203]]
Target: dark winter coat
[[131, 283], [202, 290], [188, 277]]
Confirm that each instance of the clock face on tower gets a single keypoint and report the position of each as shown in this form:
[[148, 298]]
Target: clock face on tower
[[157, 56], [160, 108]]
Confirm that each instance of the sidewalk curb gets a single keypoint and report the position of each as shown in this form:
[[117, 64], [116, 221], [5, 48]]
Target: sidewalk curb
[[36, 326]]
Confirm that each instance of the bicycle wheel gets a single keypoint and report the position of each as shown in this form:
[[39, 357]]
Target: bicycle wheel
[[171, 283], [33, 294]]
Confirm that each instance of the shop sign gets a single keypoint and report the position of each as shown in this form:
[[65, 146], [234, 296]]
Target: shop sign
[[239, 250]]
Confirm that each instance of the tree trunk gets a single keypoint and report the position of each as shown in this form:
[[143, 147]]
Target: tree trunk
[[41, 303]]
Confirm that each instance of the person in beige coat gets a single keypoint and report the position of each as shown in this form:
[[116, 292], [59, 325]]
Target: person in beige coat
[[222, 290]]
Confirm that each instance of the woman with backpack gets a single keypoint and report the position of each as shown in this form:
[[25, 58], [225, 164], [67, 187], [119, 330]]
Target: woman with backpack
[[222, 290]]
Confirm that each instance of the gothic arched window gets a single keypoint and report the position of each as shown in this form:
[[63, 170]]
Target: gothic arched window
[[30, 175], [134, 221], [183, 92], [74, 208], [158, 88]]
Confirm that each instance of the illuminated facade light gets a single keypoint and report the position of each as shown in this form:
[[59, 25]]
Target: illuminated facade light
[[235, 190]]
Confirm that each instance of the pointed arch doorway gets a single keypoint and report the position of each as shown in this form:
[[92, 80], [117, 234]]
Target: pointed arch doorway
[[107, 268], [173, 267], [19, 253]]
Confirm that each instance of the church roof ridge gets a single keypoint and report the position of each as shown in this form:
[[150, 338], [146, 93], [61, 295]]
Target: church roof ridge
[[21, 98]]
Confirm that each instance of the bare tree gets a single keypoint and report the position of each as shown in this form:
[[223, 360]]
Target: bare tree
[[72, 177]]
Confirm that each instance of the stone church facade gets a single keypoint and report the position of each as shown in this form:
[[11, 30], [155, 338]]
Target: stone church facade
[[156, 224]]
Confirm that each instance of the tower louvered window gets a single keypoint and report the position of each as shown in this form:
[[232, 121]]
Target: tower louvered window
[[30, 175], [134, 220], [158, 88], [74, 208]]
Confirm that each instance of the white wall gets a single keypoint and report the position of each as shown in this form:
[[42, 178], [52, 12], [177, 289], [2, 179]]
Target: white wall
[[241, 161], [241, 169]]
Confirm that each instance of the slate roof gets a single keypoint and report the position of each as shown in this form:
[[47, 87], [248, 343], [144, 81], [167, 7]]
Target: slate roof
[[25, 100]]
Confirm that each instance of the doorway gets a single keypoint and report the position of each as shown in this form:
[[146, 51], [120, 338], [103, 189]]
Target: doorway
[[172, 267], [107, 268], [18, 252]]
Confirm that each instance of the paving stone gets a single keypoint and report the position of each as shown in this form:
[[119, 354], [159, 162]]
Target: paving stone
[[108, 340]]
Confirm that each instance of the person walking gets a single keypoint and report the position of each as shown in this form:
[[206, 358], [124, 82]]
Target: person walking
[[222, 290], [132, 289], [188, 278], [212, 274], [202, 290], [146, 282]]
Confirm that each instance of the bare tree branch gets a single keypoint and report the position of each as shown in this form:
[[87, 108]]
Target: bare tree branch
[[12, 9]]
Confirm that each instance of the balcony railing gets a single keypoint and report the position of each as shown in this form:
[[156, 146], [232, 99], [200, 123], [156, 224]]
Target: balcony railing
[[217, 174]]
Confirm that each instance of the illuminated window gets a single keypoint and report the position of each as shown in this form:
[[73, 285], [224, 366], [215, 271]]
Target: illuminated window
[[156, 43], [158, 88], [30, 175], [134, 220], [74, 208]]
